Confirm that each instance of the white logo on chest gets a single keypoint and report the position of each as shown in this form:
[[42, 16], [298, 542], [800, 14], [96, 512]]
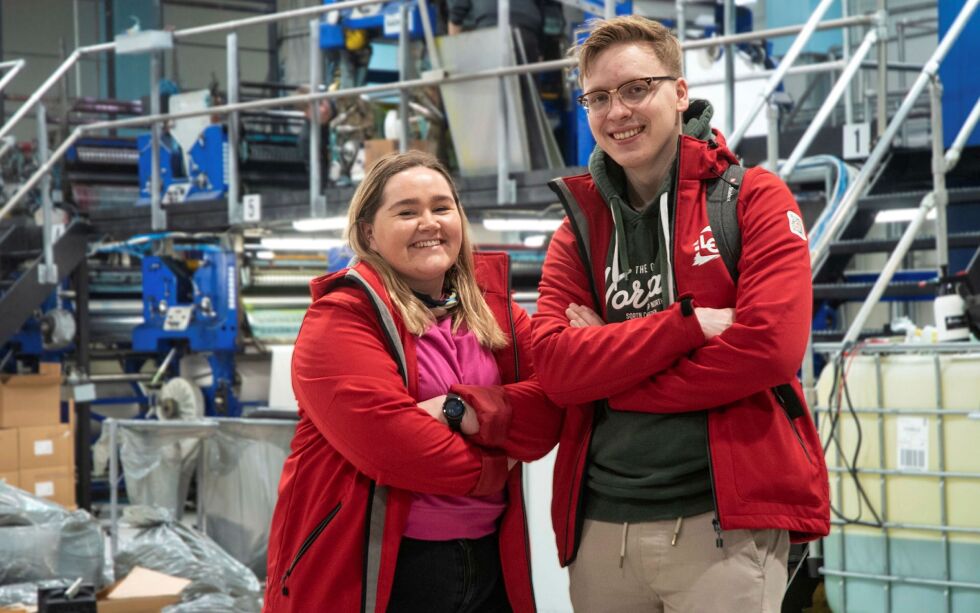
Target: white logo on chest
[[705, 249]]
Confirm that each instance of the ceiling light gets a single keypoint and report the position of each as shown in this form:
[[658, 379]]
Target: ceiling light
[[301, 244], [317, 224], [898, 215], [521, 225], [535, 241]]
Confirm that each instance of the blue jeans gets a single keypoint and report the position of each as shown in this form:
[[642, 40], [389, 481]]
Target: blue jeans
[[458, 576]]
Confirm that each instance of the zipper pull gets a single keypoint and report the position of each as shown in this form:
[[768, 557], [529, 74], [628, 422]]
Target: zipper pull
[[285, 589], [719, 541]]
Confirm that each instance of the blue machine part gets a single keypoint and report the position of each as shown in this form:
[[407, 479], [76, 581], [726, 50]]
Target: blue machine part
[[384, 19], [34, 337], [207, 178], [961, 89], [192, 304]]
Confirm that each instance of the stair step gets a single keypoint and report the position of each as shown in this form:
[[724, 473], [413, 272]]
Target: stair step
[[956, 240], [915, 290], [911, 199]]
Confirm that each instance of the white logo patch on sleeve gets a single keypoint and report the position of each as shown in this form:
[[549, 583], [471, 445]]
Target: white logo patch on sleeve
[[796, 224]]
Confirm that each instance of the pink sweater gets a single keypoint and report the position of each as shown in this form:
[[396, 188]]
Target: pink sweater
[[444, 359]]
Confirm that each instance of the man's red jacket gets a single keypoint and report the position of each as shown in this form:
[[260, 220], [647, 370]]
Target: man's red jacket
[[362, 446], [767, 467]]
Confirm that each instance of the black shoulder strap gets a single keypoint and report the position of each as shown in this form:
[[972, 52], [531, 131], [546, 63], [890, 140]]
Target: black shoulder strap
[[723, 219], [723, 216]]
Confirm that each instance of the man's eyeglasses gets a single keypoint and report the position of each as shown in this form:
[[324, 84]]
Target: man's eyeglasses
[[632, 93]]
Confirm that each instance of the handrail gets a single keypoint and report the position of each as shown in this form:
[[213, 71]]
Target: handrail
[[744, 37], [949, 161], [15, 67], [818, 252], [828, 106], [269, 103], [185, 33], [794, 52]]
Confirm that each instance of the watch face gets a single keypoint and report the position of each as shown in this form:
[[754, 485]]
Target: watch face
[[453, 408]]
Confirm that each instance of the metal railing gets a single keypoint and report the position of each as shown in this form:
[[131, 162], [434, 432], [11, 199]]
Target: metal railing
[[845, 211], [12, 67]]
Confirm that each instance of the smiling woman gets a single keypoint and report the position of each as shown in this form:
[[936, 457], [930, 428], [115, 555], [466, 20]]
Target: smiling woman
[[415, 404]]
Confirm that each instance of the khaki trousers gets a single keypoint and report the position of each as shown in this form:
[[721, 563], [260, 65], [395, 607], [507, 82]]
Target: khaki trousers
[[687, 573]]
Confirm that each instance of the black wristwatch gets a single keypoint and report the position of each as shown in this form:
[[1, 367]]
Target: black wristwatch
[[454, 408]]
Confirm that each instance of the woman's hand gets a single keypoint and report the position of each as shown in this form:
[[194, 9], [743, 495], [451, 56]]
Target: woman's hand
[[581, 316], [714, 321], [433, 406]]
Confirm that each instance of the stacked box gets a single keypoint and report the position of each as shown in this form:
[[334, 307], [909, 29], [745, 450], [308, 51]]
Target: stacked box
[[37, 452]]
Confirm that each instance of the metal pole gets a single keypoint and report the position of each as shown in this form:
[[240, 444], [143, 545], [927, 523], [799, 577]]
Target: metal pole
[[113, 486], [318, 207], [504, 195], [888, 271], [941, 456], [403, 63], [900, 46], [882, 481], [83, 410], [609, 9], [882, 98], [48, 271], [772, 135], [791, 55], [15, 67], [39, 173], [430, 41], [845, 210], [848, 94], [744, 37], [158, 216], [954, 153], [842, 86], [729, 16], [234, 136], [681, 21], [940, 197], [36, 96], [202, 520]]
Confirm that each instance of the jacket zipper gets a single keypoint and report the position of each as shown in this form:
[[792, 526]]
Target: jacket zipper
[[673, 223], [716, 520], [307, 543], [792, 425]]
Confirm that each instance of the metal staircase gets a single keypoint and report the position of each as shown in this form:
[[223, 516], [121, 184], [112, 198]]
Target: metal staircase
[[23, 286]]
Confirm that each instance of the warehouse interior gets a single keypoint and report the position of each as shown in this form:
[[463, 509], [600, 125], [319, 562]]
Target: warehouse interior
[[168, 190]]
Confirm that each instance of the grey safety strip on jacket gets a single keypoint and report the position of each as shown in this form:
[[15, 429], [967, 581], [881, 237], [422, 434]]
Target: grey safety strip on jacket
[[379, 495], [580, 227], [665, 226], [387, 322]]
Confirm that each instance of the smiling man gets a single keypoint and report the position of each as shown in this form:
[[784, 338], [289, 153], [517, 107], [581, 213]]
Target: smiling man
[[688, 460]]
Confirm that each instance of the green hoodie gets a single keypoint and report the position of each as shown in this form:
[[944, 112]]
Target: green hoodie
[[645, 466]]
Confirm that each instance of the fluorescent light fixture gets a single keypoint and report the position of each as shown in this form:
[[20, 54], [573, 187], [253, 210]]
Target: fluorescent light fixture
[[521, 225], [898, 215], [317, 224], [265, 255], [535, 240], [301, 244]]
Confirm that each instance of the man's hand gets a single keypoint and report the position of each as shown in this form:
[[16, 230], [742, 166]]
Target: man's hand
[[714, 321], [581, 316], [433, 406]]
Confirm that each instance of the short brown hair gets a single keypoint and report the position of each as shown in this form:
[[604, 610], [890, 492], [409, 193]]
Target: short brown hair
[[473, 310], [603, 34]]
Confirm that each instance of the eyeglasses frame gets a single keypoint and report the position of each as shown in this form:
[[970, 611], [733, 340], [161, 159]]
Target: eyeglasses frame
[[649, 80]]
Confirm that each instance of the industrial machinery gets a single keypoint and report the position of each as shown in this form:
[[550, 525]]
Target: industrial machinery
[[190, 304]]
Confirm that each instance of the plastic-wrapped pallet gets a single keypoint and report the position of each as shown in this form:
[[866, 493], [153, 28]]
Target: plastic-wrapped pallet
[[242, 464], [168, 546], [41, 540], [159, 461]]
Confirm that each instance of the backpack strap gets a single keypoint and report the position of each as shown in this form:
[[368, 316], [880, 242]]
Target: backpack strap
[[723, 219], [723, 216]]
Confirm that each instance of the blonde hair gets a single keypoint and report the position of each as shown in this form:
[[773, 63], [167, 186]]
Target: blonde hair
[[472, 309], [603, 34]]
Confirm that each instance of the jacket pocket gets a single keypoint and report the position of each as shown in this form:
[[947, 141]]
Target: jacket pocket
[[792, 408], [307, 543]]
